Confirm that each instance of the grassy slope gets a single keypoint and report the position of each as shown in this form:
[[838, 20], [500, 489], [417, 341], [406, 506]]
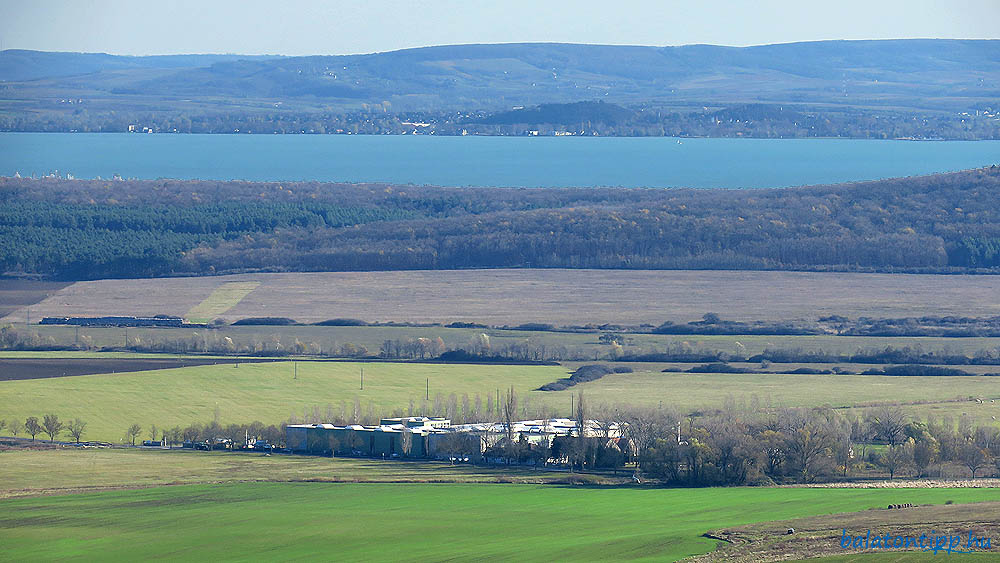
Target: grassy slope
[[413, 522], [265, 392], [268, 392]]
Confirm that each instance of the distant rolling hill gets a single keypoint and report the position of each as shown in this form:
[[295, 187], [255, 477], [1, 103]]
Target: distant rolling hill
[[929, 75], [22, 65]]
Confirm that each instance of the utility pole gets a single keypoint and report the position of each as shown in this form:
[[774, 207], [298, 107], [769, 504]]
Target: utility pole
[[295, 369], [362, 378], [427, 390]]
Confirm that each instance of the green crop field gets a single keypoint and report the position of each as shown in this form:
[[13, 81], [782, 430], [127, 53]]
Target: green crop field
[[272, 392], [425, 522]]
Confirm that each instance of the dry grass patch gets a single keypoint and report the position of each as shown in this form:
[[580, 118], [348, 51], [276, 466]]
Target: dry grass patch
[[222, 299], [822, 535], [513, 296]]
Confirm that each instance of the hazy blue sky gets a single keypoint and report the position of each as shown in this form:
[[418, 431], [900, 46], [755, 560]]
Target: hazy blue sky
[[299, 27]]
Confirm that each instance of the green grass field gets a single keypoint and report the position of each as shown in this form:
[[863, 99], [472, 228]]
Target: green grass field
[[427, 522], [271, 392], [109, 403], [694, 390]]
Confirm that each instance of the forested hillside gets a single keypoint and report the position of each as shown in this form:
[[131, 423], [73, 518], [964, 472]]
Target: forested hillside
[[868, 89], [81, 229], [914, 73]]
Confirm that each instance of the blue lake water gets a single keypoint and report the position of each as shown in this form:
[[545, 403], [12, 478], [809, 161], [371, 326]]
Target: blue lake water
[[487, 161]]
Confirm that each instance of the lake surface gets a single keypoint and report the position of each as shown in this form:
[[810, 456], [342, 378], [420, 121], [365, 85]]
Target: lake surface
[[487, 161]]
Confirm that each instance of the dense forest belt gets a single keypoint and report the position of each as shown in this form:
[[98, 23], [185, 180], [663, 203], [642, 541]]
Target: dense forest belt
[[87, 229]]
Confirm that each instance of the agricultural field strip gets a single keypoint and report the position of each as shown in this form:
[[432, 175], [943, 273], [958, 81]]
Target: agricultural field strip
[[820, 535], [561, 297], [328, 339], [33, 368], [222, 299], [456, 521], [18, 294], [32, 472]]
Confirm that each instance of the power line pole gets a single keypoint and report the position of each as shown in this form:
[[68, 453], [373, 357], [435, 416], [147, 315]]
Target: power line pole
[[427, 390], [362, 378]]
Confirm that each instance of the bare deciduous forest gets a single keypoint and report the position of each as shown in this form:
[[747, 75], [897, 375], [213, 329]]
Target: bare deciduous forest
[[86, 229]]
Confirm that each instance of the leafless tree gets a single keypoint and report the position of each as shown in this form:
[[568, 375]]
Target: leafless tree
[[406, 443], [32, 426], [191, 433], [807, 445], [76, 428], [897, 458], [973, 457], [509, 414], [925, 451], [133, 432], [888, 423]]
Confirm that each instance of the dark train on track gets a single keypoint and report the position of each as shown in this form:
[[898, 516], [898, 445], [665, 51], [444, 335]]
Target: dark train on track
[[158, 321]]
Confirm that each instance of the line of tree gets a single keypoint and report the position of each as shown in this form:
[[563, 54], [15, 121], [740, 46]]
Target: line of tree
[[480, 348], [208, 433], [49, 425], [583, 118], [802, 445], [738, 444]]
